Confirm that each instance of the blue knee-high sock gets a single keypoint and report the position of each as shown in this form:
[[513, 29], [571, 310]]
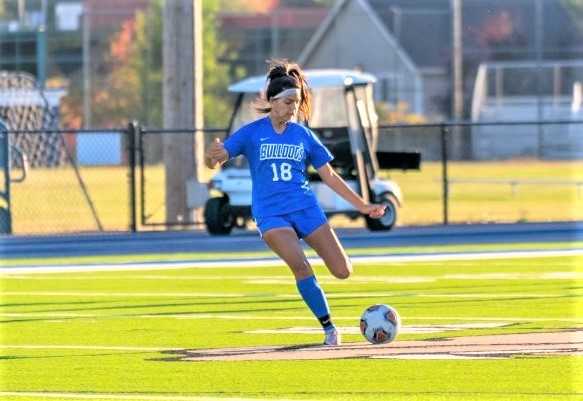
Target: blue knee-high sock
[[315, 298]]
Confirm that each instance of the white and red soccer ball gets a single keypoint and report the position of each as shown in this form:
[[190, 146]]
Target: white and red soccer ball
[[380, 324]]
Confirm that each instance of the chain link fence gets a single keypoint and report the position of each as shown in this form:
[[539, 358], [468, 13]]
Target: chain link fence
[[103, 186], [87, 192], [490, 172]]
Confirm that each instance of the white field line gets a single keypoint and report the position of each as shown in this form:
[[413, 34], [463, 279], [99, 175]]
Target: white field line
[[491, 296], [429, 279], [124, 397], [354, 329], [331, 295], [228, 316], [230, 277], [278, 278], [363, 280], [427, 329], [125, 294], [286, 279], [276, 262], [90, 347], [357, 318], [323, 279], [47, 314]]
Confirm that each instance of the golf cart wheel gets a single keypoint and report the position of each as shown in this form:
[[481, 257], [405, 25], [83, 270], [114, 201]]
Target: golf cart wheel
[[389, 219], [218, 217]]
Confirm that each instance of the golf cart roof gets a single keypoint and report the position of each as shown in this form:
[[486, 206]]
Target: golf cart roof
[[327, 78]]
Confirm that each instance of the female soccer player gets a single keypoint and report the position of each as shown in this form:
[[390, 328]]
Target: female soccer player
[[283, 204]]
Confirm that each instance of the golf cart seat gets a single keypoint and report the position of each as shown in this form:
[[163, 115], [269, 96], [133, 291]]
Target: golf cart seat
[[337, 141]]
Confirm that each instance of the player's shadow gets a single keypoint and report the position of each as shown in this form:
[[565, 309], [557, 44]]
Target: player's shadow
[[185, 313], [185, 355], [172, 304]]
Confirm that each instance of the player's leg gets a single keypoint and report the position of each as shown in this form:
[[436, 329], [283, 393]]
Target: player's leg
[[285, 243], [324, 241], [312, 224]]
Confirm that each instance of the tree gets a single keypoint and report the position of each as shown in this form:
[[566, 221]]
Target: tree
[[249, 6], [132, 87], [148, 64], [575, 7], [216, 76], [8, 9], [266, 6]]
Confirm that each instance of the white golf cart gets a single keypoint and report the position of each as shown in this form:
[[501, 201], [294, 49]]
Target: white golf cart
[[345, 120]]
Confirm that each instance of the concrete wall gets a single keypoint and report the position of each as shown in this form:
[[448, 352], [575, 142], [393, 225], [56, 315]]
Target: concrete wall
[[555, 141]]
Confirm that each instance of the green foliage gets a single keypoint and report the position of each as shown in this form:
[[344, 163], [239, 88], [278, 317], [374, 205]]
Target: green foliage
[[149, 63], [216, 78], [8, 9], [575, 7], [149, 67], [132, 85]]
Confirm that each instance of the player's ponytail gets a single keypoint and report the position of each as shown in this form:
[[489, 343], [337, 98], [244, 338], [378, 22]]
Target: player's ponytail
[[284, 75], [277, 71]]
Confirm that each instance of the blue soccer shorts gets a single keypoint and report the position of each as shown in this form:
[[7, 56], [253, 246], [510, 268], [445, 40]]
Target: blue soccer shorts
[[303, 222]]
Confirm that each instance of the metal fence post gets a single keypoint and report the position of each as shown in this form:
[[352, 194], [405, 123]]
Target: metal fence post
[[5, 214], [142, 183], [132, 131], [445, 180]]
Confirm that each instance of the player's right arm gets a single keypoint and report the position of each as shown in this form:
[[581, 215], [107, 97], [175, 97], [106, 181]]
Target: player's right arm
[[216, 154], [219, 152]]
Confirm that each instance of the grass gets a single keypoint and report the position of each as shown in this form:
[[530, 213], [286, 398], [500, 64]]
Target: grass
[[50, 200], [59, 332], [479, 202]]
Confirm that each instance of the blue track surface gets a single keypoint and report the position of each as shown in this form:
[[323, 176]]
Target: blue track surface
[[239, 241]]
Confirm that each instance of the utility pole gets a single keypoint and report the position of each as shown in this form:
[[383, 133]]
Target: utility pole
[[458, 140], [275, 33], [182, 98], [21, 12], [539, 32], [42, 46], [86, 67]]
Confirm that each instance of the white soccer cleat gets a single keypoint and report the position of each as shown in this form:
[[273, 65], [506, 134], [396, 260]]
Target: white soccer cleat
[[332, 338]]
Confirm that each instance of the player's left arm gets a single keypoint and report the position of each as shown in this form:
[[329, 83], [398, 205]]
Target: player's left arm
[[338, 185]]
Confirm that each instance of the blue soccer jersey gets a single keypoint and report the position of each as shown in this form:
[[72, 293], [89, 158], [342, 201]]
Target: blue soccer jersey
[[278, 164]]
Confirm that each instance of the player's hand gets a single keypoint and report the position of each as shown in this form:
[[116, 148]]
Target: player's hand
[[373, 210], [216, 152]]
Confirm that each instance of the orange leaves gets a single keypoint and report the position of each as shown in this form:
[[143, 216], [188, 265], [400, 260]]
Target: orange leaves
[[122, 45]]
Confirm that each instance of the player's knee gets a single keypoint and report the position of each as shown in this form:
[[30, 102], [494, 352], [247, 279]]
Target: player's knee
[[343, 270], [302, 270]]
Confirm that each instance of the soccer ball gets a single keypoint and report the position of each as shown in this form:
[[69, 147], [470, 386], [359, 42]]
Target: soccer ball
[[380, 324]]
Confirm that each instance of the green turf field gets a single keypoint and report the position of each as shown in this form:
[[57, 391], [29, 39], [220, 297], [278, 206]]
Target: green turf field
[[101, 335]]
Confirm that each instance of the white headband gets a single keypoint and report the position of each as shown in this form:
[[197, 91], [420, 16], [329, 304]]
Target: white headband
[[288, 92]]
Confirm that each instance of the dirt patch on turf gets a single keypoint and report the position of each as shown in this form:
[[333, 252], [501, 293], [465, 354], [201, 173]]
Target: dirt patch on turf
[[495, 346]]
